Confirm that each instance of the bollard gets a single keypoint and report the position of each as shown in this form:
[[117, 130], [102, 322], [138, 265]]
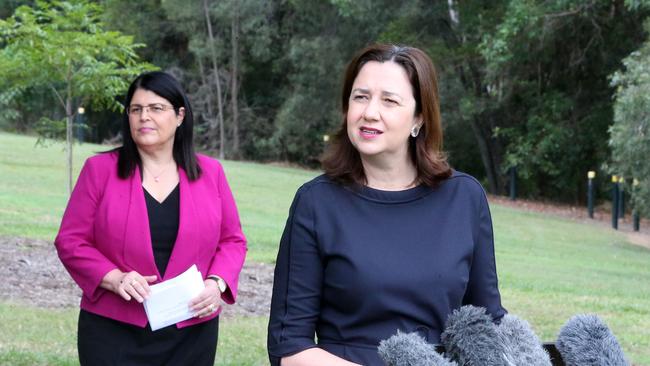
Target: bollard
[[513, 183], [590, 193], [80, 128], [621, 198], [615, 202], [635, 216]]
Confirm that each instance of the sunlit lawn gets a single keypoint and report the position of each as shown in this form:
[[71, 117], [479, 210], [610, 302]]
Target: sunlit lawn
[[549, 268]]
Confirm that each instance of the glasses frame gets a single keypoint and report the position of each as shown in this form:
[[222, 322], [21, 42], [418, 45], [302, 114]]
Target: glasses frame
[[148, 108]]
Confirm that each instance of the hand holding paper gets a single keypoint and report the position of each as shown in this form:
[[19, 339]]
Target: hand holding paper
[[168, 302]]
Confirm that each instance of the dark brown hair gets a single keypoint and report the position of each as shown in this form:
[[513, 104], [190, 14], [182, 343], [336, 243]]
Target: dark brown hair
[[341, 161]]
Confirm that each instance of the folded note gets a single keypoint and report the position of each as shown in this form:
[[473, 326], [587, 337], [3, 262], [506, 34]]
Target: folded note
[[168, 302]]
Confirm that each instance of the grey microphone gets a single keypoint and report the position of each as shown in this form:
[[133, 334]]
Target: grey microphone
[[471, 339], [409, 349], [585, 340], [523, 347]]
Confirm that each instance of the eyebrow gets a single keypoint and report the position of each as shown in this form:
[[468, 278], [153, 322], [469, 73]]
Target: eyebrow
[[384, 93]]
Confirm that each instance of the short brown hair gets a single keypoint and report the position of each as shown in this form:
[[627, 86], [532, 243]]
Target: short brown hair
[[341, 161]]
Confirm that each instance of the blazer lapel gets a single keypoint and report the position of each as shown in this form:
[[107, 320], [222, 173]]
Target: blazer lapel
[[186, 247], [138, 251]]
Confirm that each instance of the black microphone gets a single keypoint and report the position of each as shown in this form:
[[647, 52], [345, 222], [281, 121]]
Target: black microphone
[[409, 349], [585, 340], [523, 347], [471, 339]]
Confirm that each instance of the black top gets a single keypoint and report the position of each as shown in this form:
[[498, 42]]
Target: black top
[[163, 225], [357, 265]]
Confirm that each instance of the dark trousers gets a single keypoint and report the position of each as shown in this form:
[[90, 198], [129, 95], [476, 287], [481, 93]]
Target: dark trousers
[[103, 341]]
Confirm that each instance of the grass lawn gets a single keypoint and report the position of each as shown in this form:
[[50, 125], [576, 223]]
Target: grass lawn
[[549, 268], [33, 192]]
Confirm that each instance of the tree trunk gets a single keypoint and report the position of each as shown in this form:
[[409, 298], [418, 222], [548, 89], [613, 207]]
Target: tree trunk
[[486, 155], [69, 139], [210, 114], [472, 81], [235, 73], [215, 68]]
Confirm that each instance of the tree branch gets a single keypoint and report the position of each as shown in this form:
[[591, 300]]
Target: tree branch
[[58, 96]]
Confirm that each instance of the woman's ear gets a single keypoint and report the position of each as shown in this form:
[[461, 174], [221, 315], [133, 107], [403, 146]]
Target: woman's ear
[[180, 115], [418, 121]]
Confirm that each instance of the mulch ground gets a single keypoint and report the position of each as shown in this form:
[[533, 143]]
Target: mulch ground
[[32, 273]]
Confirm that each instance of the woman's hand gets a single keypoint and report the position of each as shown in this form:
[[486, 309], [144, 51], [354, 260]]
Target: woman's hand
[[128, 285], [208, 301]]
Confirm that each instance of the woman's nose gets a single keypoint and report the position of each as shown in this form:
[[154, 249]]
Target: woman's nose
[[144, 113], [371, 112]]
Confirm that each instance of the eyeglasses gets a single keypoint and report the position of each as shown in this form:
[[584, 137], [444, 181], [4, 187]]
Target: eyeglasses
[[156, 108]]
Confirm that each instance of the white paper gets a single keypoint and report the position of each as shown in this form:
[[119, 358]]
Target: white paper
[[168, 302]]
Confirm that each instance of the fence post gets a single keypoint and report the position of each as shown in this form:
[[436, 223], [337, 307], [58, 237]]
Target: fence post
[[615, 202], [590, 193]]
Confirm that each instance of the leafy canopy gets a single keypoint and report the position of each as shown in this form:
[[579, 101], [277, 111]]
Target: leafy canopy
[[62, 45], [630, 133]]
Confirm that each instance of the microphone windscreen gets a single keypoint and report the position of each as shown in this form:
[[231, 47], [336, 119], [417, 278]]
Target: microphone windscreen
[[409, 349], [522, 345], [586, 340], [471, 339]]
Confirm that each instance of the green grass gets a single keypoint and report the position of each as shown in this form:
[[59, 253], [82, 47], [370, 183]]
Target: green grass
[[32, 336], [33, 192], [552, 268], [549, 268]]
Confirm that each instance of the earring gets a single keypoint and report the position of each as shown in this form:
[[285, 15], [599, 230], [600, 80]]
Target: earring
[[415, 130], [178, 125]]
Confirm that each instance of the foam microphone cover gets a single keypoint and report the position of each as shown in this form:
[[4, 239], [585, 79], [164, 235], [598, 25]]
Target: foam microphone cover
[[522, 345], [471, 338], [409, 349], [585, 340]]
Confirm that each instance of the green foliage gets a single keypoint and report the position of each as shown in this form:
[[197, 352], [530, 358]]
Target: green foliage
[[521, 82], [547, 65], [630, 133], [37, 52]]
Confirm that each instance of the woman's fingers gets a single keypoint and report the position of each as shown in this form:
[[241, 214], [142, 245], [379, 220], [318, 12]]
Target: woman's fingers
[[207, 302], [134, 285]]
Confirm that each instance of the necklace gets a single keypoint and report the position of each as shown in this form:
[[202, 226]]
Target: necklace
[[156, 178]]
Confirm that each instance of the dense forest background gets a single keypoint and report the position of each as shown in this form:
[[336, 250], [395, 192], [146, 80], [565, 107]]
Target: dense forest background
[[524, 83]]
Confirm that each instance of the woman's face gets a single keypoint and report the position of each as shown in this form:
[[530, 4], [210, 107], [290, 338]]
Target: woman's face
[[152, 120], [381, 111]]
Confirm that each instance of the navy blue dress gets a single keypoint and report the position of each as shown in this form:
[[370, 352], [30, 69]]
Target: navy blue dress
[[356, 265]]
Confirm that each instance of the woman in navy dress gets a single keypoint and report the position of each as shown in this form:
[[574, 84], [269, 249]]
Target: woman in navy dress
[[390, 237]]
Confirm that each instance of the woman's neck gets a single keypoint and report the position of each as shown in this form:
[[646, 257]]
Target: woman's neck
[[155, 159], [389, 175]]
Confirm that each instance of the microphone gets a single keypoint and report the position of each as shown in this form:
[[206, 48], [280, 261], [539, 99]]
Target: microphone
[[523, 347], [586, 340], [471, 339], [409, 349]]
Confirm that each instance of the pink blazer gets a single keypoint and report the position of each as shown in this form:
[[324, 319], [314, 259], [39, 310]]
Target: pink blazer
[[106, 226]]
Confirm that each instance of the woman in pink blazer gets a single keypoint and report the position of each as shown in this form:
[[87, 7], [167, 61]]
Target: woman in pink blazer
[[143, 213]]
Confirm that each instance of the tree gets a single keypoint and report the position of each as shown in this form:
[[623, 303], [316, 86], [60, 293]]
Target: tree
[[630, 133], [547, 65], [62, 46]]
